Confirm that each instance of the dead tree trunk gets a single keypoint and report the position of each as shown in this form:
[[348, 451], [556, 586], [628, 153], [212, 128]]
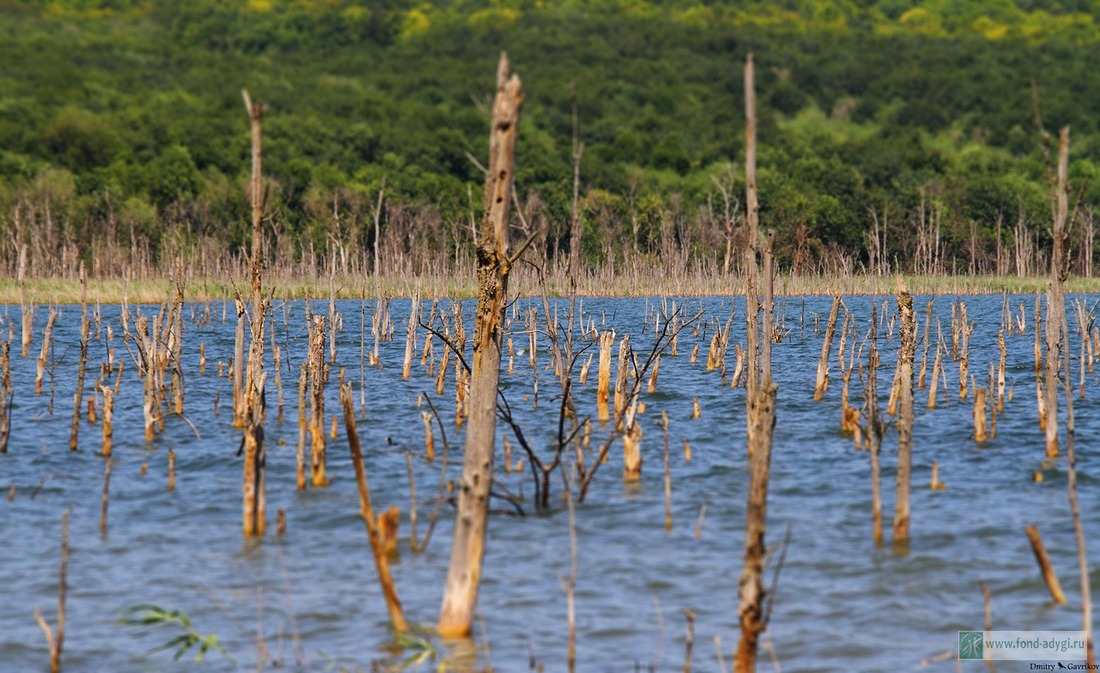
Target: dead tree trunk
[[300, 452], [622, 372], [40, 364], [965, 328], [1075, 515], [5, 395], [874, 430], [1059, 273], [175, 341], [925, 343], [26, 310], [1040, 390], [410, 336], [317, 403], [374, 535], [108, 419], [760, 424], [937, 366], [826, 347], [752, 226], [256, 189], [1045, 566], [603, 376], [999, 405], [254, 516], [1056, 306], [760, 407], [79, 396], [493, 265], [907, 349], [239, 367], [981, 433], [255, 503]]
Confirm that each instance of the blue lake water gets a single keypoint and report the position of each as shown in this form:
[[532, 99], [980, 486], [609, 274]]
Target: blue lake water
[[841, 603]]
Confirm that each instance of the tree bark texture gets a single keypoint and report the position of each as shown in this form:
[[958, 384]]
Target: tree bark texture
[[493, 265]]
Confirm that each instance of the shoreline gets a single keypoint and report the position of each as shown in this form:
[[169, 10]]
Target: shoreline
[[67, 290]]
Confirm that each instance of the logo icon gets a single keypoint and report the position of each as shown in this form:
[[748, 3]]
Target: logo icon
[[971, 645]]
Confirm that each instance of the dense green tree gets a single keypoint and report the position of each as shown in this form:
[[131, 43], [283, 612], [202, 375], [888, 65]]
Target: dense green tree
[[129, 111]]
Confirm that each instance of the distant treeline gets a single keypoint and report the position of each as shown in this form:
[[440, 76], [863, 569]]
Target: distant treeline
[[893, 134]]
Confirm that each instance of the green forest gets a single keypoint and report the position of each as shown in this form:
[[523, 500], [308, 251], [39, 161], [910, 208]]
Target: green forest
[[893, 134]]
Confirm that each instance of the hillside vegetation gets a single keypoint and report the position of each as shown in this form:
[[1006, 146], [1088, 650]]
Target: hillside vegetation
[[884, 127]]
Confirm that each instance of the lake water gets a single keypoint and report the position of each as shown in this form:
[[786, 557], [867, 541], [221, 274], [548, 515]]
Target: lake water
[[842, 604]]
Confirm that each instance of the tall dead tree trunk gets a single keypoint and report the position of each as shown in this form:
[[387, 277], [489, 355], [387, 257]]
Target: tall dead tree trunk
[[1056, 306], [256, 190], [493, 265], [760, 407], [874, 430], [752, 235], [1056, 312], [255, 504]]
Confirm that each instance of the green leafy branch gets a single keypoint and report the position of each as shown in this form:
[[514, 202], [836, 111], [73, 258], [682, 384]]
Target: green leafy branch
[[150, 616]]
